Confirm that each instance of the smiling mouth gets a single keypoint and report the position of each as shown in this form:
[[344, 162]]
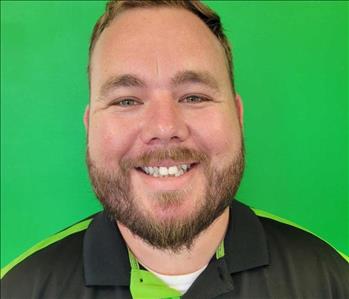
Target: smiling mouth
[[162, 171]]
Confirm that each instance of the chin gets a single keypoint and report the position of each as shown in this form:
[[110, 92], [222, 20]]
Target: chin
[[170, 205]]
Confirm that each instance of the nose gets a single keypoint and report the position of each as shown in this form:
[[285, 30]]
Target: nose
[[164, 122]]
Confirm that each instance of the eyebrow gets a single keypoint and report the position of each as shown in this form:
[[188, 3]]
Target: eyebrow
[[181, 78], [200, 77], [126, 80]]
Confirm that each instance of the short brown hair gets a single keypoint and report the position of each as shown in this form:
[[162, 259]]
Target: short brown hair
[[207, 15]]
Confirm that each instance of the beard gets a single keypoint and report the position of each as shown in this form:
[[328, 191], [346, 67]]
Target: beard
[[114, 191]]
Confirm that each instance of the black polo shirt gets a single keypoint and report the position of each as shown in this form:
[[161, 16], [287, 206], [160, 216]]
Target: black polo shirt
[[263, 259]]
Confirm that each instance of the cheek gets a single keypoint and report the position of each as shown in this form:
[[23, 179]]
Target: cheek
[[109, 140], [218, 133]]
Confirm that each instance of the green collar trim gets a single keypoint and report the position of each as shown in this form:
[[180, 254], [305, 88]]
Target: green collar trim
[[146, 285], [220, 250]]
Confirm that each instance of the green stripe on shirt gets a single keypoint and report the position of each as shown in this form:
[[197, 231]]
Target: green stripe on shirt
[[50, 240], [264, 214]]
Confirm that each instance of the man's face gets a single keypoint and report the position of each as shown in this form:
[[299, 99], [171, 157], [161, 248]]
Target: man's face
[[164, 137]]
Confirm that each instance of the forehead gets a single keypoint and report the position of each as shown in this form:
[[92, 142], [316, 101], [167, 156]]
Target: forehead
[[156, 42]]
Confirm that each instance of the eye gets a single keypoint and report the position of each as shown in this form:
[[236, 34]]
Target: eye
[[194, 99], [126, 102]]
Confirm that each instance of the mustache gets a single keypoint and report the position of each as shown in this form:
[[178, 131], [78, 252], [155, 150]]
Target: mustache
[[176, 154]]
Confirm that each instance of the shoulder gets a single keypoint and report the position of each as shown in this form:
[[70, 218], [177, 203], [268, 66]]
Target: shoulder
[[305, 258], [56, 258], [291, 239]]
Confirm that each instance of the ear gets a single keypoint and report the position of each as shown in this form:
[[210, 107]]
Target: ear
[[86, 118], [240, 109]]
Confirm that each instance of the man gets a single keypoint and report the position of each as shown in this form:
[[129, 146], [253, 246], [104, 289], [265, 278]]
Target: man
[[165, 158]]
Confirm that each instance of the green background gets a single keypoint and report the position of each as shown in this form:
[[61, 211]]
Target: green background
[[291, 68]]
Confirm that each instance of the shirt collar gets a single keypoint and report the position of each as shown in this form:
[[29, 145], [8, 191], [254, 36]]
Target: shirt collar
[[105, 255], [245, 241]]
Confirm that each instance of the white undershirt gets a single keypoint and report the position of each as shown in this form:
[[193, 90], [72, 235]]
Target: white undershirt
[[180, 283]]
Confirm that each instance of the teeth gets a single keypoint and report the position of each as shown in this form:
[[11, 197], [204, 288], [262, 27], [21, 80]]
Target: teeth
[[163, 171], [172, 170], [150, 170], [166, 171], [156, 171], [180, 172]]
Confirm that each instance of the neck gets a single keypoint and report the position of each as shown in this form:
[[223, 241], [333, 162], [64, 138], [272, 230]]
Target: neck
[[182, 262]]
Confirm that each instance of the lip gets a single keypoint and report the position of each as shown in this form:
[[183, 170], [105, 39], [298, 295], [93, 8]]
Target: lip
[[169, 183]]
